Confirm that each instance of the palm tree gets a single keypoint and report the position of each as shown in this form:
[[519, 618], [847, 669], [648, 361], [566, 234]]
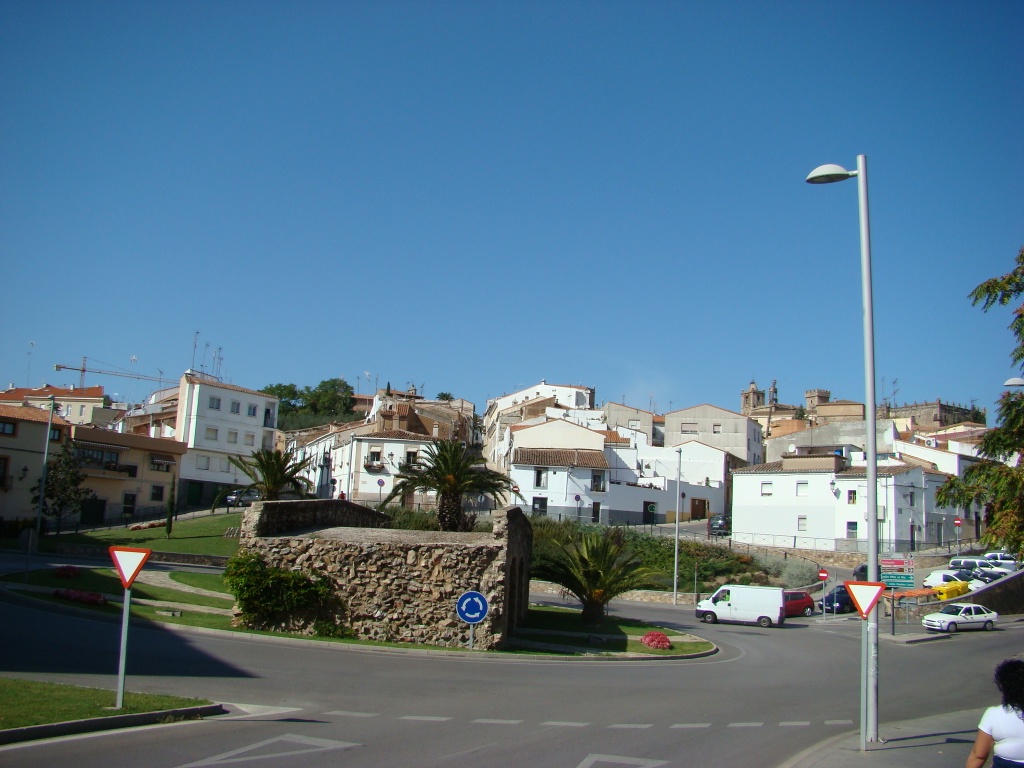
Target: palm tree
[[450, 470], [596, 568], [272, 473]]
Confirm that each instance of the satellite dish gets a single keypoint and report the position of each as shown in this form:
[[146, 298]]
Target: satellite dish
[[792, 448]]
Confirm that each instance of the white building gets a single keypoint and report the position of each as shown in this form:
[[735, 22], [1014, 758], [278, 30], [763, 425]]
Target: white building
[[718, 427], [525, 404], [818, 501]]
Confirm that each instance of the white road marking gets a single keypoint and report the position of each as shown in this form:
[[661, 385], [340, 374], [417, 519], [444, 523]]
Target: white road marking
[[691, 725], [426, 718], [308, 743], [258, 710], [744, 725], [631, 725], [592, 760], [343, 713], [839, 722], [486, 721], [565, 724], [795, 722]]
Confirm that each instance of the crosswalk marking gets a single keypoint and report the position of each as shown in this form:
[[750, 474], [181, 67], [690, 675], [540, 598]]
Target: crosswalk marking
[[691, 725], [488, 721], [631, 725], [343, 713], [565, 724], [795, 722], [426, 718], [744, 725]]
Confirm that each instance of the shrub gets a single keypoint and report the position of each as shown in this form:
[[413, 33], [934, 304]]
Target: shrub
[[78, 596], [773, 565], [273, 598], [412, 520], [799, 573], [658, 640]]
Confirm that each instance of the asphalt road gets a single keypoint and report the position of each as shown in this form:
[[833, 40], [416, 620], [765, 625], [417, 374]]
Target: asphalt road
[[767, 694]]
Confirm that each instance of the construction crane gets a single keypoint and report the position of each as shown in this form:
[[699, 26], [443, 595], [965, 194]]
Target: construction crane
[[83, 370]]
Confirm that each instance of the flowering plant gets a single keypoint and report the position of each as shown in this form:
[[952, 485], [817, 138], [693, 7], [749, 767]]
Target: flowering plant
[[79, 596], [658, 640], [67, 571]]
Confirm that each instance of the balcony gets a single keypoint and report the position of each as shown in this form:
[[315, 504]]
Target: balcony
[[374, 466]]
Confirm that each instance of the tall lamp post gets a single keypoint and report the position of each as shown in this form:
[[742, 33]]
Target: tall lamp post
[[675, 558], [826, 174]]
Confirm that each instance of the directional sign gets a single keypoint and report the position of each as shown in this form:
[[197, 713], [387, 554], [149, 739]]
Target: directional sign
[[129, 561], [898, 580], [471, 607], [865, 594]]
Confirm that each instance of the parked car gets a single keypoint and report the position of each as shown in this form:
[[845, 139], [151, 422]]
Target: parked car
[[860, 573], [957, 616], [970, 563], [242, 497], [938, 578], [838, 600], [719, 525], [1004, 559], [798, 604], [986, 575]]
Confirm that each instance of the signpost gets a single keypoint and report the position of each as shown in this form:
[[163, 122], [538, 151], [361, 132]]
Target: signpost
[[823, 577], [864, 595], [472, 608], [129, 562], [897, 572], [957, 522]]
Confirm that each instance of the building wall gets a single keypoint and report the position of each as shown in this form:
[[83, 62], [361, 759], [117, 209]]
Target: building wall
[[401, 586], [21, 457], [717, 427]]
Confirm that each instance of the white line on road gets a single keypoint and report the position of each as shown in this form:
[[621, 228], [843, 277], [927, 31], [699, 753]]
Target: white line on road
[[795, 722], [744, 725], [427, 718], [691, 725], [343, 713], [564, 724], [631, 725], [487, 721], [839, 722]]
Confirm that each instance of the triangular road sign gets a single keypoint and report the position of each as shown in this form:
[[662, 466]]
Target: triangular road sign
[[129, 561], [865, 594]]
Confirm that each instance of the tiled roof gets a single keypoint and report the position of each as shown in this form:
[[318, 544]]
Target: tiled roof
[[611, 436], [397, 434], [30, 413], [775, 467], [20, 393], [560, 457], [193, 379]]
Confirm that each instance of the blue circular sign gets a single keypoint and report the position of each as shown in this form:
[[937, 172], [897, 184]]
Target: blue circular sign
[[381, 482], [471, 607]]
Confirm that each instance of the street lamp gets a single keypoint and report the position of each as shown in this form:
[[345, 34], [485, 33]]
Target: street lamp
[[826, 174], [675, 559]]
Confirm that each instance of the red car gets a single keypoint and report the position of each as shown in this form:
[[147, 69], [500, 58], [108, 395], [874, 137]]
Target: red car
[[798, 604]]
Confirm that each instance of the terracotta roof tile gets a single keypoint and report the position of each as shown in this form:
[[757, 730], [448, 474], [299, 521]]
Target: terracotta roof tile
[[20, 393], [560, 457], [31, 413]]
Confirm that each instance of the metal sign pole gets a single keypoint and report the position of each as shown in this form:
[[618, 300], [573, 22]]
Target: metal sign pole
[[124, 648]]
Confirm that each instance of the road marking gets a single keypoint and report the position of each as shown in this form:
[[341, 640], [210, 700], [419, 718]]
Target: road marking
[[592, 760], [691, 725], [631, 725], [744, 725], [426, 718], [486, 721], [839, 722], [308, 743], [795, 722], [565, 724], [343, 713], [258, 710]]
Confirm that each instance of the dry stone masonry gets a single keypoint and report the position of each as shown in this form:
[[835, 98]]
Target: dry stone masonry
[[398, 585]]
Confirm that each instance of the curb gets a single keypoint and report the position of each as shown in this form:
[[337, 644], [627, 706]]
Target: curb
[[93, 724]]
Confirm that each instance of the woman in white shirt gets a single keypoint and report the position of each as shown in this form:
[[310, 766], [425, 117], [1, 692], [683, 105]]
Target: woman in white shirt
[[1001, 730]]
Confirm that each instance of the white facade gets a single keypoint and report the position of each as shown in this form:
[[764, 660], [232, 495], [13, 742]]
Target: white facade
[[507, 409], [720, 428], [795, 504]]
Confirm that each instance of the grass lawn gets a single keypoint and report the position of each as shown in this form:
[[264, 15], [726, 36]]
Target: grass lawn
[[212, 581], [26, 702], [106, 581], [563, 626], [199, 536]]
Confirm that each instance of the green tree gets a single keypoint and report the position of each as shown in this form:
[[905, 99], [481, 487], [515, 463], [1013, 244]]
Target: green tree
[[445, 397], [451, 471], [331, 397], [597, 567], [993, 483], [169, 521], [64, 492], [272, 474], [290, 399]]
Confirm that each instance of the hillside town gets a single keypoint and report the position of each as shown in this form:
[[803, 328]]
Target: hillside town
[[787, 475]]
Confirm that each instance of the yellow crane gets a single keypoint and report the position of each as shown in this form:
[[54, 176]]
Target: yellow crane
[[83, 370]]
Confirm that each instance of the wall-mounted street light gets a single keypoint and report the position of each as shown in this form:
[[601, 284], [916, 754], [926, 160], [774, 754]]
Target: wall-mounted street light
[[827, 174]]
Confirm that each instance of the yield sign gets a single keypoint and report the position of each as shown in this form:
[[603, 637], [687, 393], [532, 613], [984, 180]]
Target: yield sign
[[129, 561], [865, 594]]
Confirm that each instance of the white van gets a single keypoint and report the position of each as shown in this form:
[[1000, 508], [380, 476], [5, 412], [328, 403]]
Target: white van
[[736, 602]]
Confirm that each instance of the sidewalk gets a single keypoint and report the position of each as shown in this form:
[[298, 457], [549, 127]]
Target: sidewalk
[[941, 741]]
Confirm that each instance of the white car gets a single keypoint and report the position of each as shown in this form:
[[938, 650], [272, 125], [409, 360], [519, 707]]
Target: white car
[[1003, 559], [957, 616], [938, 578]]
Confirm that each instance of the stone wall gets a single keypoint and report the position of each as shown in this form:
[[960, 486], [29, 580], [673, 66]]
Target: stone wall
[[398, 585]]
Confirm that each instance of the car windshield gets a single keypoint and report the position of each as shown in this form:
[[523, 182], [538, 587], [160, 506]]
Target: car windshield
[[952, 610]]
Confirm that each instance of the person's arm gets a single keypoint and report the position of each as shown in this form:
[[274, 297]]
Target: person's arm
[[980, 751]]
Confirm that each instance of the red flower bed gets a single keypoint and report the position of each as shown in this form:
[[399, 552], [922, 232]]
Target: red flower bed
[[78, 596], [67, 571], [658, 640]]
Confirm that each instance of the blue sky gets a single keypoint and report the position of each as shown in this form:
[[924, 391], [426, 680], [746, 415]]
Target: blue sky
[[476, 196]]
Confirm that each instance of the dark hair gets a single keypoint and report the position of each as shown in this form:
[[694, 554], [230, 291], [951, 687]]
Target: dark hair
[[1010, 681]]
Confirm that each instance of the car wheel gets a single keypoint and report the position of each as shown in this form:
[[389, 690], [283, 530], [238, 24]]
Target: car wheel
[[809, 611], [764, 621], [951, 627], [710, 618], [988, 626]]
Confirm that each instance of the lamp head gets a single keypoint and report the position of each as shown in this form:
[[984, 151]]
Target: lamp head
[[826, 174], [1016, 381]]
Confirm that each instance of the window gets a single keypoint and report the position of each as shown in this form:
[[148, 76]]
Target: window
[[251, 412], [766, 489], [851, 529], [211, 433], [540, 505], [851, 497], [410, 457], [55, 433], [236, 407], [540, 478], [597, 482], [375, 455], [595, 512], [156, 493], [634, 423], [716, 429], [910, 498], [801, 488], [250, 438], [688, 428], [225, 465], [5, 481], [214, 403], [8, 428], [232, 435], [801, 523], [202, 462], [81, 410]]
